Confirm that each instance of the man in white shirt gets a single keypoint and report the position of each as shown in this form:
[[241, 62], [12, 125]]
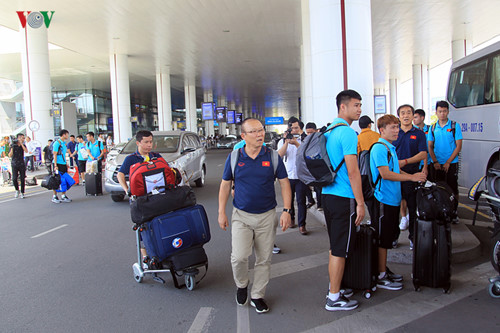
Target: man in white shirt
[[287, 149], [29, 157]]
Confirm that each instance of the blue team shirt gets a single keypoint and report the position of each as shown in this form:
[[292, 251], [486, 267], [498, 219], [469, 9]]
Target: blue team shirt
[[444, 142], [410, 144], [62, 148], [387, 192], [133, 159], [340, 142], [254, 181], [95, 149], [80, 146]]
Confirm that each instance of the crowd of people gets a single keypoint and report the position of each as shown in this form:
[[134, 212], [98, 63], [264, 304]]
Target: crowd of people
[[56, 155], [405, 151]]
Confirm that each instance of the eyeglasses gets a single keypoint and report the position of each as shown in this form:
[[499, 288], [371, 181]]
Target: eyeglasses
[[260, 130]]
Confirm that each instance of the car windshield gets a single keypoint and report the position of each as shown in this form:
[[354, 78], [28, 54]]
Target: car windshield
[[161, 144], [227, 140]]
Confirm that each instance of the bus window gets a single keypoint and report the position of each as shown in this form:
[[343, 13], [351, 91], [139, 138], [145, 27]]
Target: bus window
[[495, 80], [466, 86]]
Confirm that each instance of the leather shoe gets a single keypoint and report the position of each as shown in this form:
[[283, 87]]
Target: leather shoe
[[293, 224], [303, 230]]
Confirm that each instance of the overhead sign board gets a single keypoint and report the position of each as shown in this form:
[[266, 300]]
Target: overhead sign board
[[220, 111], [379, 104], [231, 116], [207, 111], [275, 121]]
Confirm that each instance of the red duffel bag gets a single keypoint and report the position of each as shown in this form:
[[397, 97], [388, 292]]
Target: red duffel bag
[[146, 176]]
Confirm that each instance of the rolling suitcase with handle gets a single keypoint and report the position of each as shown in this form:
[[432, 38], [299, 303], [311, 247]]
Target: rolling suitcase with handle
[[93, 184], [432, 255], [361, 267]]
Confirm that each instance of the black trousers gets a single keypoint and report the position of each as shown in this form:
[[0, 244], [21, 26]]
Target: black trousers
[[450, 177], [409, 193], [18, 171], [299, 190], [31, 161]]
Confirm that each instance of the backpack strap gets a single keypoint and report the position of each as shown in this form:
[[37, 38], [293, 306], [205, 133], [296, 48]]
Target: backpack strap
[[389, 156], [235, 154], [322, 131], [453, 129]]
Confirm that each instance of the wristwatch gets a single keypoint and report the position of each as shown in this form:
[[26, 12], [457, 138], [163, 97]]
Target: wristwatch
[[287, 210]]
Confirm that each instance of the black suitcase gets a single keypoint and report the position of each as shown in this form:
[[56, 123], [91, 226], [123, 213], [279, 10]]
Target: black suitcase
[[432, 255], [361, 266], [93, 184]]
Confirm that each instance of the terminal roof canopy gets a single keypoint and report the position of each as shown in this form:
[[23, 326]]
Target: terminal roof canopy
[[246, 50]]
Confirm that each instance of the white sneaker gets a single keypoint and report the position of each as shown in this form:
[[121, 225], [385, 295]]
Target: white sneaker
[[16, 195], [404, 223], [65, 199], [22, 196], [55, 199]]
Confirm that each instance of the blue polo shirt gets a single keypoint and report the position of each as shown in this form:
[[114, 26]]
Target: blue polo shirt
[[387, 192], [444, 142], [254, 181], [242, 144], [133, 159], [410, 144], [95, 149], [340, 141], [60, 146], [79, 147]]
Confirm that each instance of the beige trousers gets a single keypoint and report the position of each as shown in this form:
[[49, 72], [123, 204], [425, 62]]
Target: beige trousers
[[253, 231]]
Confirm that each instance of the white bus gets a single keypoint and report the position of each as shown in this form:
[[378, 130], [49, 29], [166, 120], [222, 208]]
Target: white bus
[[474, 97]]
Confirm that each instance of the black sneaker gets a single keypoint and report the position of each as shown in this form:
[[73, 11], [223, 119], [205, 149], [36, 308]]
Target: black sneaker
[[242, 296], [259, 305], [393, 276], [341, 304]]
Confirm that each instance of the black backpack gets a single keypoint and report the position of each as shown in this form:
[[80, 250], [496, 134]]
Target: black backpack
[[436, 202], [367, 184], [51, 148]]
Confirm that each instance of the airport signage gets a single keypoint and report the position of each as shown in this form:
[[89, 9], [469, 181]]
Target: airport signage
[[207, 111], [379, 104], [35, 19], [239, 118], [231, 116], [220, 111], [275, 121]]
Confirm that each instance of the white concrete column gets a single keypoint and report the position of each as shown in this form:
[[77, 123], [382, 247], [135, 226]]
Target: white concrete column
[[164, 100], [209, 124], [190, 105], [393, 92], [341, 55], [420, 87], [306, 98], [460, 48], [36, 80], [120, 97]]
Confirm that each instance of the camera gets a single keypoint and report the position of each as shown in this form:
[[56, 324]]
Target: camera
[[289, 135]]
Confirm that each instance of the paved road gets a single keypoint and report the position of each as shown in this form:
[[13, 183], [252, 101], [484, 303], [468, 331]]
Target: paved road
[[67, 267]]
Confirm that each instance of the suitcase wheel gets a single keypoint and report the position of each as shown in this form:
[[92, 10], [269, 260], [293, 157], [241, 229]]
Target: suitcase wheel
[[446, 290], [367, 294], [189, 281], [494, 290]]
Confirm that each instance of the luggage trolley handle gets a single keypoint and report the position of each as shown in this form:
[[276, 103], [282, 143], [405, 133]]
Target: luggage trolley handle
[[138, 228]]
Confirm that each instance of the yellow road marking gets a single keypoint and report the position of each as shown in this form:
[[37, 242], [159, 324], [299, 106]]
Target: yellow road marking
[[472, 210]]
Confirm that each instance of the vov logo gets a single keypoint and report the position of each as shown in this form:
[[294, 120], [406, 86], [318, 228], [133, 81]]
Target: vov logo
[[35, 19]]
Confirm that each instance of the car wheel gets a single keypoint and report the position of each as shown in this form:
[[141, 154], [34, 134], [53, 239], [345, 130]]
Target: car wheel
[[201, 181], [117, 197]]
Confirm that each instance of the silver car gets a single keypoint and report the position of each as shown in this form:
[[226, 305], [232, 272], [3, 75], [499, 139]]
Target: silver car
[[182, 150]]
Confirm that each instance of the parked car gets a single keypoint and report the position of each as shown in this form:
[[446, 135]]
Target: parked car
[[227, 142], [182, 150]]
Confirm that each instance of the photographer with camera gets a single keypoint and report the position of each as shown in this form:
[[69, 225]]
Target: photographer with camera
[[16, 153], [287, 149]]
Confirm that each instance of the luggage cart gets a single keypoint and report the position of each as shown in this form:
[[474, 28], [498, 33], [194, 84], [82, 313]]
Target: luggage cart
[[156, 267]]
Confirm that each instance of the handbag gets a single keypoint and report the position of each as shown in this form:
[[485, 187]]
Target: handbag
[[51, 182], [147, 207]]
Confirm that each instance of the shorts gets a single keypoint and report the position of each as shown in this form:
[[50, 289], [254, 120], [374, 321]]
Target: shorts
[[62, 168], [81, 166], [340, 215], [385, 220]]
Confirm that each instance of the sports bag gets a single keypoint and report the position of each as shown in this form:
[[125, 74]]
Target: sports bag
[[146, 176], [51, 182], [147, 207], [367, 184], [436, 202], [314, 167]]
